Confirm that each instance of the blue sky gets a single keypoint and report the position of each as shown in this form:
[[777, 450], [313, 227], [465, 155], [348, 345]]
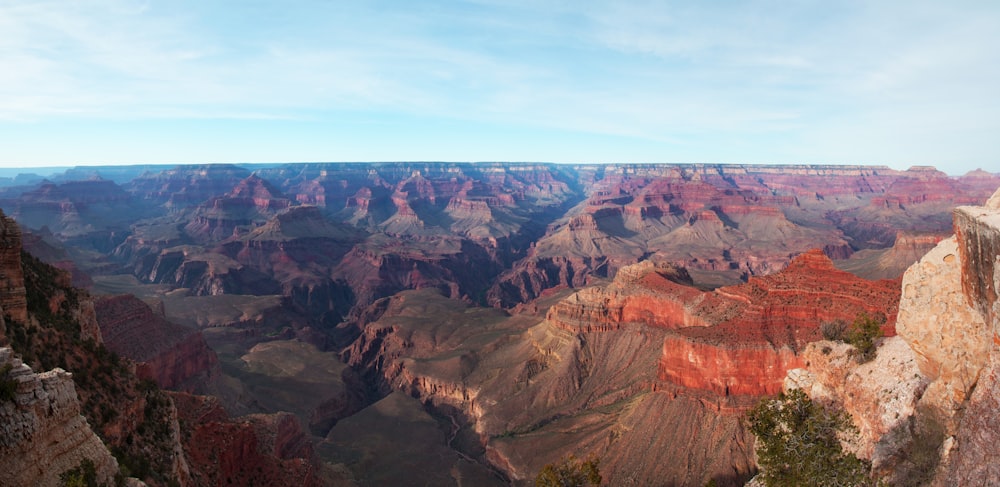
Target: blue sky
[[865, 82]]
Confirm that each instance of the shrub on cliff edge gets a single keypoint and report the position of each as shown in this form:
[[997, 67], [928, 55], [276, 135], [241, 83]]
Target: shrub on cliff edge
[[570, 473], [863, 333], [797, 444]]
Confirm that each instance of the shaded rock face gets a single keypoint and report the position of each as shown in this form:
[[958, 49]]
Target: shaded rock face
[[978, 437], [170, 354], [13, 298], [44, 434], [259, 449]]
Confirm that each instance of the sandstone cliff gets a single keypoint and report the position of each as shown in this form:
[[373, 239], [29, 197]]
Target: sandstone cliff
[[44, 434], [932, 417]]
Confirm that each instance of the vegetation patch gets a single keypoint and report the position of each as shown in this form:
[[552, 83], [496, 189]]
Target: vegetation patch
[[571, 472], [82, 475], [862, 333], [798, 444]]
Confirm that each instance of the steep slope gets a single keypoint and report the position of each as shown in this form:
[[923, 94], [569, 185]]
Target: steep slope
[[934, 419], [130, 417], [44, 434], [174, 356], [250, 203], [645, 360]]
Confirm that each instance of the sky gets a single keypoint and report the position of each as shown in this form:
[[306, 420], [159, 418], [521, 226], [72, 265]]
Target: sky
[[895, 83]]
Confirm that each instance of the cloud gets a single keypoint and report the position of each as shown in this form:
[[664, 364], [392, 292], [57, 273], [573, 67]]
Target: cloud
[[673, 74]]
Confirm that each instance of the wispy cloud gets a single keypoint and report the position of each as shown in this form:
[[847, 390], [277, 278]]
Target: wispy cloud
[[681, 75]]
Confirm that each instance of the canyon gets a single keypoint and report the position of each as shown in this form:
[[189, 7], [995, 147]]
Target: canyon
[[924, 407], [453, 323]]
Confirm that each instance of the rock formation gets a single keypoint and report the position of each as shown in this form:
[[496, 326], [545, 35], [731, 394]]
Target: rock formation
[[645, 359], [359, 253], [250, 203], [174, 356], [932, 416], [13, 300], [262, 449], [44, 434]]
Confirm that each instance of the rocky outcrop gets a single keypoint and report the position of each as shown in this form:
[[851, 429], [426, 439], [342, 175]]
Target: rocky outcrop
[[659, 300], [949, 336], [977, 230], [882, 396], [767, 322], [250, 203], [259, 449], [926, 407], [44, 434], [13, 298], [174, 356]]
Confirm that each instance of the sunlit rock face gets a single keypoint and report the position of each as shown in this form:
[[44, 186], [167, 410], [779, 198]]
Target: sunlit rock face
[[935, 387]]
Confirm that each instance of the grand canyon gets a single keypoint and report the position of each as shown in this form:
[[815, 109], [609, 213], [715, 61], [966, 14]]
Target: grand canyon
[[470, 323]]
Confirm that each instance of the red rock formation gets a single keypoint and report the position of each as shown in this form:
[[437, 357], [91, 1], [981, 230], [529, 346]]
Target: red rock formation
[[766, 321], [249, 203], [763, 322], [165, 352], [259, 449]]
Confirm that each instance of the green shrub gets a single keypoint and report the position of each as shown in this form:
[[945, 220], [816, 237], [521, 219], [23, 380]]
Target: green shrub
[[864, 331], [570, 473], [833, 330], [797, 444], [83, 475]]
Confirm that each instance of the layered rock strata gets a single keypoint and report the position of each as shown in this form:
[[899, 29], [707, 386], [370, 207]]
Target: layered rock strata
[[13, 297], [170, 354], [44, 434], [259, 449], [939, 403]]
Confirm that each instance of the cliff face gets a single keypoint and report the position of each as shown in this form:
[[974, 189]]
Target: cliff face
[[940, 402], [168, 353], [647, 359], [44, 433], [758, 328], [260, 449], [977, 230], [13, 300]]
